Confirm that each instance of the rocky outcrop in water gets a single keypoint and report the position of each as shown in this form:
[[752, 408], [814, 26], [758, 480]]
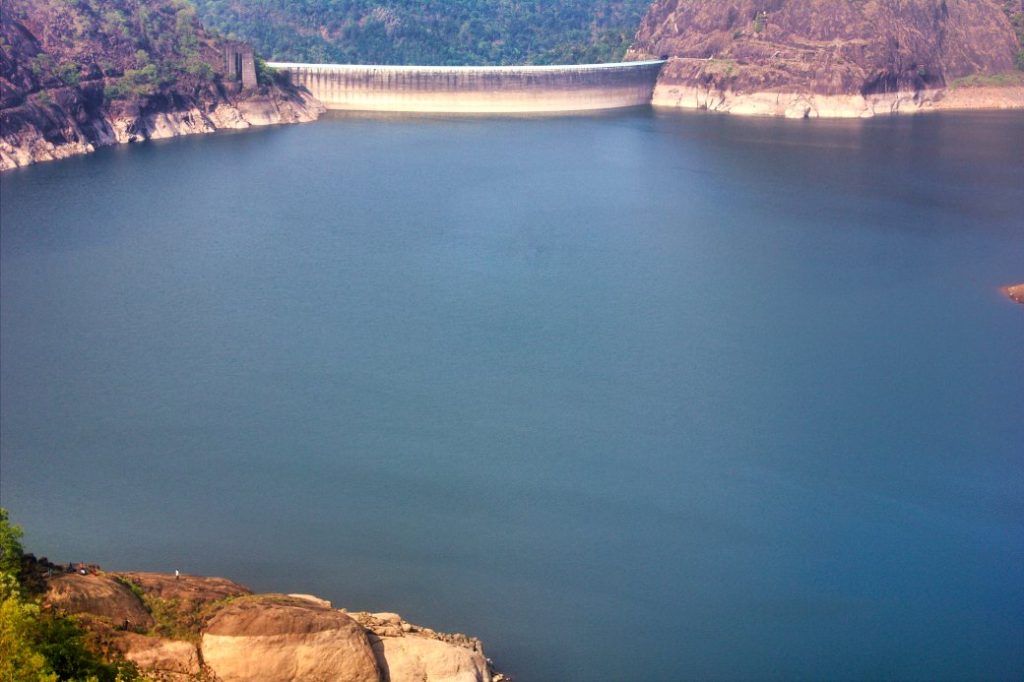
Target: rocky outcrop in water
[[1015, 292], [411, 652], [186, 628], [844, 58], [78, 76]]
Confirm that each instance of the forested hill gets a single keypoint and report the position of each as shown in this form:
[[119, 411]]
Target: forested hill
[[442, 32], [79, 74]]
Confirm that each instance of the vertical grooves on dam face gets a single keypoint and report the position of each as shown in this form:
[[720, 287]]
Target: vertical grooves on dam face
[[477, 89]]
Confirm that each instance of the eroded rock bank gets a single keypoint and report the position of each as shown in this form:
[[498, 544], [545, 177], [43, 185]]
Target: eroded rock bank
[[842, 59], [810, 105], [187, 627]]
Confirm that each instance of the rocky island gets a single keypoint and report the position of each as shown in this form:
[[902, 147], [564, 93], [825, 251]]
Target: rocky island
[[77, 76], [843, 58], [1015, 292]]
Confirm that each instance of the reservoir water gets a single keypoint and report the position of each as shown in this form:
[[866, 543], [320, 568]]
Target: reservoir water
[[635, 396]]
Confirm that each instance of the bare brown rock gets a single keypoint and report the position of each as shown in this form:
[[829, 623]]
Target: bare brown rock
[[281, 639], [411, 653], [840, 58], [187, 588], [1015, 292], [212, 628], [98, 595], [413, 657], [160, 657]]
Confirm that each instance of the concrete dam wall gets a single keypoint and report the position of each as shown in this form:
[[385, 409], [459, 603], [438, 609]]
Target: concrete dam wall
[[477, 89]]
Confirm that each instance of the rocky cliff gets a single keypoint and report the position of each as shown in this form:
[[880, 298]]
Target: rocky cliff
[[75, 76], [806, 58], [188, 628]]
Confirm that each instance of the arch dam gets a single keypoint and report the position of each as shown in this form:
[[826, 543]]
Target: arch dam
[[477, 89]]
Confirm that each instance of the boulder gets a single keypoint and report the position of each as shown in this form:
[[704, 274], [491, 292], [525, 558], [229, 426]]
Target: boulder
[[98, 595], [416, 658], [158, 656], [281, 639], [410, 653]]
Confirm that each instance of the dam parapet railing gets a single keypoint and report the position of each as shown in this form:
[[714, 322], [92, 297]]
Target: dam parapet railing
[[477, 89]]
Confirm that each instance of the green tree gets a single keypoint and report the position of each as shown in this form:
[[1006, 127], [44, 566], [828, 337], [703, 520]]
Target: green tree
[[10, 546], [70, 73], [20, 661], [37, 646]]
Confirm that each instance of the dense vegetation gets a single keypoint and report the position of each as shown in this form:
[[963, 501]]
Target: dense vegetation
[[37, 645], [1015, 11], [137, 46], [442, 32]]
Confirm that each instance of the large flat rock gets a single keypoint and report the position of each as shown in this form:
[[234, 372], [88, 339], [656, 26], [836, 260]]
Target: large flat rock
[[186, 588], [98, 595]]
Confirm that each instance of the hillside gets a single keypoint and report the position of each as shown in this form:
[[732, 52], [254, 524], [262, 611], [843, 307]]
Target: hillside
[[437, 32], [843, 58], [78, 75]]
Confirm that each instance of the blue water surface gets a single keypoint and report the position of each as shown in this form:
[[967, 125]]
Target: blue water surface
[[635, 396]]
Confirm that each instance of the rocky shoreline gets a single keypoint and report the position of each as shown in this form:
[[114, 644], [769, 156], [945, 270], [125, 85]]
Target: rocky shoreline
[[130, 73], [34, 133], [810, 105], [177, 628], [117, 84], [842, 59]]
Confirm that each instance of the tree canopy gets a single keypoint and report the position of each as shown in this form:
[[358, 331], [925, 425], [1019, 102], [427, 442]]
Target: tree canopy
[[441, 32]]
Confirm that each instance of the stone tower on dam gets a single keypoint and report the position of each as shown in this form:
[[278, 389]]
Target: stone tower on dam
[[240, 64], [477, 89]]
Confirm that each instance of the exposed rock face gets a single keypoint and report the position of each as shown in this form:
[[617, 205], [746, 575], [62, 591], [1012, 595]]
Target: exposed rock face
[[75, 76], [1016, 292], [414, 657], [185, 588], [410, 652], [283, 639], [160, 657], [212, 628], [840, 58], [98, 595]]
